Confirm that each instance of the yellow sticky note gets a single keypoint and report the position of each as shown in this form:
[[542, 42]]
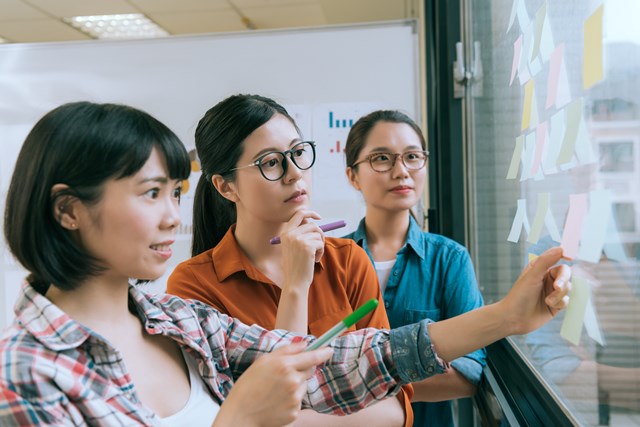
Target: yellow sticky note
[[515, 158], [579, 296], [541, 213], [528, 100], [592, 67]]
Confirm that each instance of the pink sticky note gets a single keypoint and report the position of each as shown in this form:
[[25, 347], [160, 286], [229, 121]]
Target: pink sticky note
[[554, 73], [573, 224], [517, 51]]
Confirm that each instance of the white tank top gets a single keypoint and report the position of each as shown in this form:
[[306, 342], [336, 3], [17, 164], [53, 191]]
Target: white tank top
[[201, 409], [383, 269]]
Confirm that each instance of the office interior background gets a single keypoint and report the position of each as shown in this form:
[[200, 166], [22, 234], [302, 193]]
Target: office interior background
[[532, 113]]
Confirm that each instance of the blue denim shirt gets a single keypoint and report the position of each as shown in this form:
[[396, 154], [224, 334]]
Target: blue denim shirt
[[433, 278]]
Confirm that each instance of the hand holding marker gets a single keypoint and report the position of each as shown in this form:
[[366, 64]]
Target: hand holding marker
[[345, 324], [324, 227]]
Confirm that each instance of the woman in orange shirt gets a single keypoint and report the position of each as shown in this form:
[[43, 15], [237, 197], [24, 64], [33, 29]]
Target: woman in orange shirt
[[256, 184]]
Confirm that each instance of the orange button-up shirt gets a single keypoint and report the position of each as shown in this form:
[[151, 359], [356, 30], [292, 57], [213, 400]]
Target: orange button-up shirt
[[344, 279]]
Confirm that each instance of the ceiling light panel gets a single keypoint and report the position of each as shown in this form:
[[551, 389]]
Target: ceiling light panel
[[123, 26]]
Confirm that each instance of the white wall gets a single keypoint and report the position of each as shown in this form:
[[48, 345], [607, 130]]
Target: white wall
[[340, 72]]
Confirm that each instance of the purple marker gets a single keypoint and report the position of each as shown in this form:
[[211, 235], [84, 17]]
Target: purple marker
[[324, 227]]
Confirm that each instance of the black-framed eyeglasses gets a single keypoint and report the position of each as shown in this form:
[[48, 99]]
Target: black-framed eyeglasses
[[384, 162], [273, 165]]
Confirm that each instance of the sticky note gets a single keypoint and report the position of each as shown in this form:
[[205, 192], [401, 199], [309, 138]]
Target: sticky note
[[542, 136], [524, 74], [517, 51], [555, 62], [546, 39], [528, 155], [538, 24], [591, 322], [527, 108], [518, 9], [597, 222], [520, 221], [552, 148], [573, 115], [538, 219], [516, 158], [592, 66], [573, 224], [543, 216], [571, 328]]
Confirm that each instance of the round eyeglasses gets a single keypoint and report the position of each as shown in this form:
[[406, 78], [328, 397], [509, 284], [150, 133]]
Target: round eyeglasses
[[384, 162], [273, 165]]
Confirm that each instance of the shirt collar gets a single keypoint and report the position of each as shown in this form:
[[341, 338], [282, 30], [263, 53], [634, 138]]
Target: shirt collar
[[414, 237], [47, 322], [56, 330], [229, 258]]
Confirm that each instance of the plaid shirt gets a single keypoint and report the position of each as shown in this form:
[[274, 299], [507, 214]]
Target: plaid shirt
[[55, 371]]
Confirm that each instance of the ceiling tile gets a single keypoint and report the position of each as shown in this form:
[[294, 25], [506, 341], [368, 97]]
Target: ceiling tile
[[200, 22], [39, 31], [69, 8], [347, 11], [292, 15], [269, 3], [16, 9], [154, 6]]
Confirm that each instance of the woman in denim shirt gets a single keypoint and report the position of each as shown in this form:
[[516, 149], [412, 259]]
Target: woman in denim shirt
[[422, 275]]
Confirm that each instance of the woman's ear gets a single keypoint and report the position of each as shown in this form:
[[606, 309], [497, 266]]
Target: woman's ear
[[352, 176], [225, 188], [65, 207]]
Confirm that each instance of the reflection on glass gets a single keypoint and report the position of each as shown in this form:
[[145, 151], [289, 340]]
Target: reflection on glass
[[616, 157], [574, 136]]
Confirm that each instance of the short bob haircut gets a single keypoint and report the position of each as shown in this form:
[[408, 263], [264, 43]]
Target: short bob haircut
[[82, 145]]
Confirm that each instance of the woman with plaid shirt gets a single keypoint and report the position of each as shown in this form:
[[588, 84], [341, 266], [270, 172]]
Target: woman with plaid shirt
[[93, 201]]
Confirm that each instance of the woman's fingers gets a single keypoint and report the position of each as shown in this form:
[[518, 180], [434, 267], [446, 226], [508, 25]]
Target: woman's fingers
[[306, 361]]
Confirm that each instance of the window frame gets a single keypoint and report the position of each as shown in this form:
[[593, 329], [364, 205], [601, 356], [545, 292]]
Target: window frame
[[522, 395]]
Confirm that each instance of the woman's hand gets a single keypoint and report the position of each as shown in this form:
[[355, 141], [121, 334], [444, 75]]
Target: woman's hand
[[539, 294], [302, 239], [270, 392], [536, 297], [302, 246]]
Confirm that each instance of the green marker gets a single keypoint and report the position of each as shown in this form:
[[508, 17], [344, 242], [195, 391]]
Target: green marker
[[345, 324]]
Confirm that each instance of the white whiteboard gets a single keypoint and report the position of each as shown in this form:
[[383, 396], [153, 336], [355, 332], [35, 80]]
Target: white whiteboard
[[336, 72]]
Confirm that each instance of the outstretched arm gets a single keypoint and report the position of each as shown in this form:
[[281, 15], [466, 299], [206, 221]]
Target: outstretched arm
[[537, 296]]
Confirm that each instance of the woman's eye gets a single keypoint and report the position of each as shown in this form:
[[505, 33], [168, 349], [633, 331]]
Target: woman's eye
[[412, 156], [270, 163], [299, 152], [153, 193], [177, 192], [380, 158]]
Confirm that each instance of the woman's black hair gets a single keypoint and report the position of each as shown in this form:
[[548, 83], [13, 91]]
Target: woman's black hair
[[357, 138], [219, 138], [81, 145]]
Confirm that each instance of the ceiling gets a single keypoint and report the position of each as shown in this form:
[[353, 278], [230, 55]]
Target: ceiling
[[28, 21]]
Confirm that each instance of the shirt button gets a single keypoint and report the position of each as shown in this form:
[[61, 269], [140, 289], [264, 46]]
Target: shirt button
[[395, 273], [386, 305]]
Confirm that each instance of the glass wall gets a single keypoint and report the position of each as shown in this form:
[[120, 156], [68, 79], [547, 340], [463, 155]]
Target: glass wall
[[554, 145]]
